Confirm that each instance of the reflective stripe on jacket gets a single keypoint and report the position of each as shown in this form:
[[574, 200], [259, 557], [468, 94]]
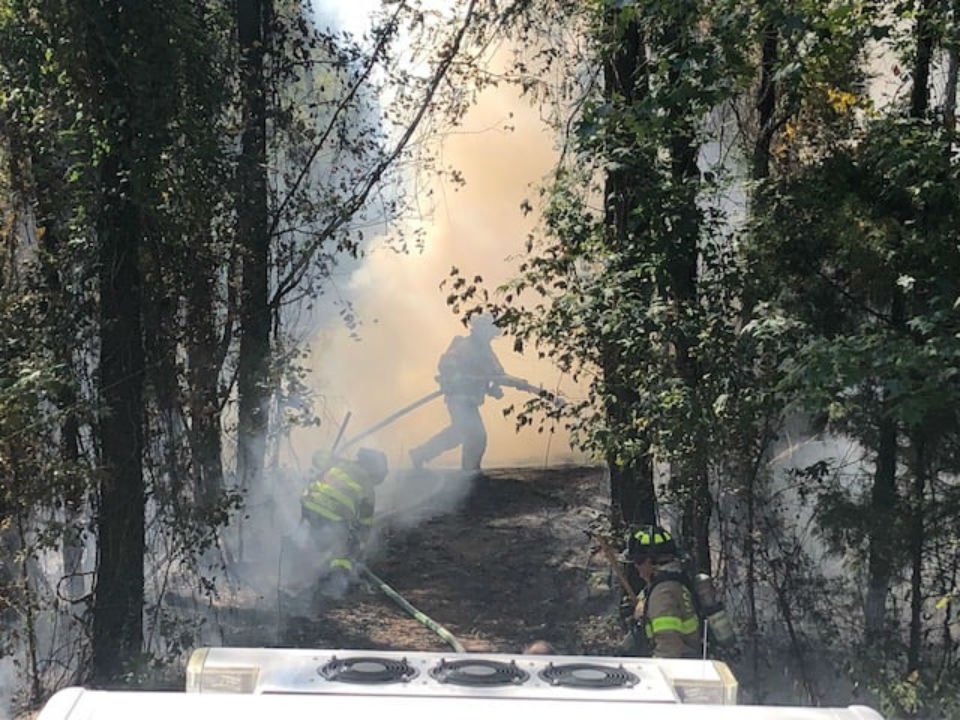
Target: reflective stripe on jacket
[[345, 493]]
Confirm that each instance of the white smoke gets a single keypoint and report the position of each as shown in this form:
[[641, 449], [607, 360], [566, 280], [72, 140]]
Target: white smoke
[[383, 356], [389, 358], [8, 687]]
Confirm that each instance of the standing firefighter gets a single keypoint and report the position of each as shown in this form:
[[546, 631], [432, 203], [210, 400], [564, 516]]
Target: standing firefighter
[[666, 612], [339, 504], [467, 372]]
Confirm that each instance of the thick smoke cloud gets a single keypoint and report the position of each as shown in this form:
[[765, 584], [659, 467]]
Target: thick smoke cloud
[[390, 359]]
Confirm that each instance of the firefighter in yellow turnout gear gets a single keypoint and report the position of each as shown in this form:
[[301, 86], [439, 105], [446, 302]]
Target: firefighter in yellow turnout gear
[[338, 504], [666, 611]]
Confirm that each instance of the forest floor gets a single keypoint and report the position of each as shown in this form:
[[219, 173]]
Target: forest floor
[[509, 562], [501, 562]]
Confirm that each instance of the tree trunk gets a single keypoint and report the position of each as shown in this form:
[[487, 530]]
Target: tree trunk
[[925, 32], [766, 94], [766, 104], [916, 540], [252, 230], [73, 503], [884, 496], [161, 332], [48, 188], [633, 498], [883, 503], [919, 107], [204, 399], [117, 616], [682, 279], [950, 86], [751, 532]]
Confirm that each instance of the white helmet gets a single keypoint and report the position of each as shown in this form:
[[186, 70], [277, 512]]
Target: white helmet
[[374, 463], [484, 326]]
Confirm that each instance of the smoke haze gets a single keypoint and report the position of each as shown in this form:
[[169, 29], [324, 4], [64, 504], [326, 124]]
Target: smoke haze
[[405, 324], [388, 358], [8, 685]]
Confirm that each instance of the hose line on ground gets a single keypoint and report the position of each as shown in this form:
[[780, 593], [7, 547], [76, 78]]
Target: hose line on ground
[[416, 614]]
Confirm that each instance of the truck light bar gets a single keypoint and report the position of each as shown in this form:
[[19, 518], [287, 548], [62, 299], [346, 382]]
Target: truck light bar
[[549, 677]]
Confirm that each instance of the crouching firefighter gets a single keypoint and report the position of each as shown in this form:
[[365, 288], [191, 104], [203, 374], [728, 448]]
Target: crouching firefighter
[[339, 504]]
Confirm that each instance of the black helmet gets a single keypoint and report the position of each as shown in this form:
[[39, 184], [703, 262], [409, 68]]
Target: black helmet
[[374, 463], [648, 541]]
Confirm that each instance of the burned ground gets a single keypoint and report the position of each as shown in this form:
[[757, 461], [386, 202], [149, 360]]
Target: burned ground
[[508, 564]]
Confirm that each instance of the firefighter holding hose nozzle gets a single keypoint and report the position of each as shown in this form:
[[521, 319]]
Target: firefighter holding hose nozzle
[[467, 372]]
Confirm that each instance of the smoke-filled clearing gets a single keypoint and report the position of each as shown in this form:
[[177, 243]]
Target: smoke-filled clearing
[[389, 359]]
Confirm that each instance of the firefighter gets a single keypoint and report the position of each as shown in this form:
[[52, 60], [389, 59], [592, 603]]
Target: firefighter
[[467, 372], [338, 504], [666, 613]]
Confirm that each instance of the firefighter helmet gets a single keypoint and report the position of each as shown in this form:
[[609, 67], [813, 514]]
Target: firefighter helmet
[[484, 326], [321, 461], [649, 541], [374, 464]]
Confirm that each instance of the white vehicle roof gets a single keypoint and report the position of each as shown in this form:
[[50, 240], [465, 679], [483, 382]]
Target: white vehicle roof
[[81, 704], [484, 675]]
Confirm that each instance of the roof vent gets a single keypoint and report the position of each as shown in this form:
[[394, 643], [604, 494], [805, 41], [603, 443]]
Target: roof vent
[[479, 672], [368, 670], [588, 675]]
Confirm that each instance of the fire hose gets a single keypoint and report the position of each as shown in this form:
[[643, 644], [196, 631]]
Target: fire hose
[[523, 385], [507, 380], [416, 614], [390, 418]]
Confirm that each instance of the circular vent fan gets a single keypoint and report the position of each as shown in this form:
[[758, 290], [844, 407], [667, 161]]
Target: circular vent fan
[[587, 675], [479, 672], [367, 670]]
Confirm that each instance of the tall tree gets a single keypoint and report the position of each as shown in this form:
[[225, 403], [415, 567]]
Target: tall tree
[[120, 41], [625, 85], [254, 18], [623, 297]]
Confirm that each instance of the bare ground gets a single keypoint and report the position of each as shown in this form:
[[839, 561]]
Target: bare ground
[[508, 564]]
